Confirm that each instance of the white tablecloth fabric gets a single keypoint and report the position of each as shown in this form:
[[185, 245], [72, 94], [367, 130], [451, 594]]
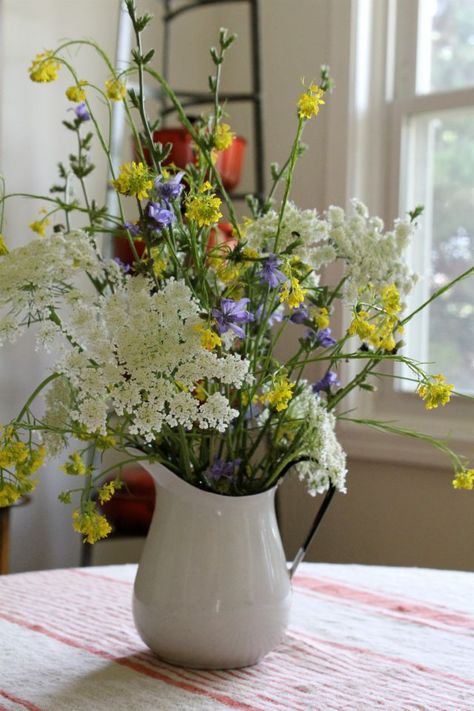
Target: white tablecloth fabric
[[360, 638]]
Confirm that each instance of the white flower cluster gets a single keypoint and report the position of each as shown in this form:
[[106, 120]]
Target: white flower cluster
[[371, 255], [132, 351], [327, 463], [32, 277], [305, 225], [140, 353]]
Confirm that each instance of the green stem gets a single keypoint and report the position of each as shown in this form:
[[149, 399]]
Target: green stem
[[34, 395]]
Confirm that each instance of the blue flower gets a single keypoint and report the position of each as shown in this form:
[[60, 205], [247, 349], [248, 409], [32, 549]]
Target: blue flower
[[124, 267], [223, 470], [132, 228], [171, 189], [270, 273], [231, 314], [327, 382], [299, 315], [81, 112], [321, 338], [275, 317], [160, 215]]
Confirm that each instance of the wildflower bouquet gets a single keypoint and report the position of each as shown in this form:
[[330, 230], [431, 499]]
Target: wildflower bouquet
[[172, 357]]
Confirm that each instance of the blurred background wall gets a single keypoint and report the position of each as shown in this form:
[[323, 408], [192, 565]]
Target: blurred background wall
[[400, 514]]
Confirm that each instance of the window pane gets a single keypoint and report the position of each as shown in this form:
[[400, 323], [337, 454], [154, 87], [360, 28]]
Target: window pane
[[445, 45], [441, 177]]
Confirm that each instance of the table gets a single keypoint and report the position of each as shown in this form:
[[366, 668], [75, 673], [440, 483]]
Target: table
[[360, 637]]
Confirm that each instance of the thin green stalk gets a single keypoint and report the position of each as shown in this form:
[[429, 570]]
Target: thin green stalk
[[289, 180], [469, 272], [35, 394]]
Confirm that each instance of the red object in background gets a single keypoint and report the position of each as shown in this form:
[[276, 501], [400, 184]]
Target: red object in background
[[221, 235], [229, 162], [131, 509], [123, 250]]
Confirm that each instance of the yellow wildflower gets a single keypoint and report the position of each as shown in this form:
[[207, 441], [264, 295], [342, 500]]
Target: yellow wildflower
[[44, 67], [134, 180], [76, 93], [3, 247], [18, 451], [250, 253], [37, 457], [115, 89], [159, 264], [464, 479], [199, 393], [223, 137], [203, 209], [310, 101], [391, 300], [9, 493], [75, 465], [436, 393], [320, 317], [209, 339], [101, 441], [360, 326], [228, 271], [108, 489], [159, 267], [39, 226], [13, 454], [280, 393], [91, 524], [383, 334], [292, 293]]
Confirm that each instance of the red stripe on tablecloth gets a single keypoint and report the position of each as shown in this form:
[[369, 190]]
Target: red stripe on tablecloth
[[140, 668], [17, 700], [219, 678], [392, 604], [379, 655], [109, 578]]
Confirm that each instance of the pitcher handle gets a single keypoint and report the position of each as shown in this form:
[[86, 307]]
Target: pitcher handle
[[312, 531]]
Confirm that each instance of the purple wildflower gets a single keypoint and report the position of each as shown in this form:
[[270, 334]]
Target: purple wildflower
[[329, 380], [299, 315], [223, 470], [321, 338], [124, 267], [270, 273], [81, 112], [252, 411], [132, 228], [231, 314], [171, 189], [275, 317], [325, 339], [160, 215]]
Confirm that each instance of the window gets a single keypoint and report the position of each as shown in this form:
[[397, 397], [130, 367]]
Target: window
[[433, 106], [410, 140]]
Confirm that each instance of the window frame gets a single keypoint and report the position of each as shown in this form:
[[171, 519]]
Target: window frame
[[380, 97]]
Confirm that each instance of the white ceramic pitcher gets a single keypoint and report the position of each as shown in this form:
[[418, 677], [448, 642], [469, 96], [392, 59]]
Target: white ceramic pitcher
[[212, 589]]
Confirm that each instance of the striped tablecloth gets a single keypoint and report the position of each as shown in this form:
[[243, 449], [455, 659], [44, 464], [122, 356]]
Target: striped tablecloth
[[360, 638]]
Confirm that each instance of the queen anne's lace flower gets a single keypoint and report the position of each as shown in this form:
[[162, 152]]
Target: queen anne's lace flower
[[33, 277], [371, 256], [305, 225], [327, 460]]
